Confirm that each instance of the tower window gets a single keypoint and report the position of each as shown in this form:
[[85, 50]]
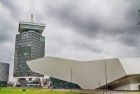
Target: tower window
[[25, 36], [42, 39]]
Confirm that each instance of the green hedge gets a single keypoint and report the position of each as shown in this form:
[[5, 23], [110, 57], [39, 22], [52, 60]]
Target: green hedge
[[3, 83]]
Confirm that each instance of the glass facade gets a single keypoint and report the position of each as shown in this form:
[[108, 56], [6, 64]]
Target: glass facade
[[29, 45], [4, 73]]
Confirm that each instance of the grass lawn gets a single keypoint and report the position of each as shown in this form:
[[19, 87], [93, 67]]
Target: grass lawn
[[45, 91], [31, 91]]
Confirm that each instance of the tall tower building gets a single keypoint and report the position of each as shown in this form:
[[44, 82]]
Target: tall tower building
[[30, 44]]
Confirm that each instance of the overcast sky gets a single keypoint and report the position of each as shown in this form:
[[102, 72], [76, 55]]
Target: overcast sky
[[76, 29]]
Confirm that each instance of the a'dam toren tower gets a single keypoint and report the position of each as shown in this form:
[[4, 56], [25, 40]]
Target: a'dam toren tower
[[30, 44]]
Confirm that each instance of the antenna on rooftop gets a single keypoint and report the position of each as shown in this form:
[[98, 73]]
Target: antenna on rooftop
[[31, 17]]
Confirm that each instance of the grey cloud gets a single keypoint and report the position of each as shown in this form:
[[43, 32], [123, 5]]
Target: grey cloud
[[17, 8], [86, 46], [92, 26], [130, 41], [6, 30], [69, 14], [3, 34], [11, 5]]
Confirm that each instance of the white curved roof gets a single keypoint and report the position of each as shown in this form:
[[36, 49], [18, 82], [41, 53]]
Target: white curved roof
[[88, 74]]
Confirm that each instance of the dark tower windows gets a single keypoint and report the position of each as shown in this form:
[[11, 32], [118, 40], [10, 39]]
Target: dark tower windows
[[30, 44]]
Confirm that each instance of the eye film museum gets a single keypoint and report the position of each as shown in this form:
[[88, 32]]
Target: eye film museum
[[30, 63]]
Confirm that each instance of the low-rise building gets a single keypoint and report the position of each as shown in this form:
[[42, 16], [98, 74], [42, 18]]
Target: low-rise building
[[4, 73]]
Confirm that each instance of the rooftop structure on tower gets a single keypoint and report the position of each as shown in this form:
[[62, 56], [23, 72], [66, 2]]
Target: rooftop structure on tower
[[27, 26]]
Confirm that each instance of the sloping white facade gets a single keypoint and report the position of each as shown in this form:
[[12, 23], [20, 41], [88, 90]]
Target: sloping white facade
[[87, 74], [131, 65]]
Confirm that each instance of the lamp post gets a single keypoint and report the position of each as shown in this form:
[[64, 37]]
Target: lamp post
[[71, 77], [106, 77]]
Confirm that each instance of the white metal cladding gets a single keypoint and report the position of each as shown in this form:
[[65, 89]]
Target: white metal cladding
[[131, 65], [4, 72], [87, 74]]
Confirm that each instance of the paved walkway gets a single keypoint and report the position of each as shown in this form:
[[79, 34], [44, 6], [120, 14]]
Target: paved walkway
[[99, 91]]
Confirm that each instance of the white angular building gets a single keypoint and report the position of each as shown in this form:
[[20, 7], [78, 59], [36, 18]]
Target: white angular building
[[115, 74]]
